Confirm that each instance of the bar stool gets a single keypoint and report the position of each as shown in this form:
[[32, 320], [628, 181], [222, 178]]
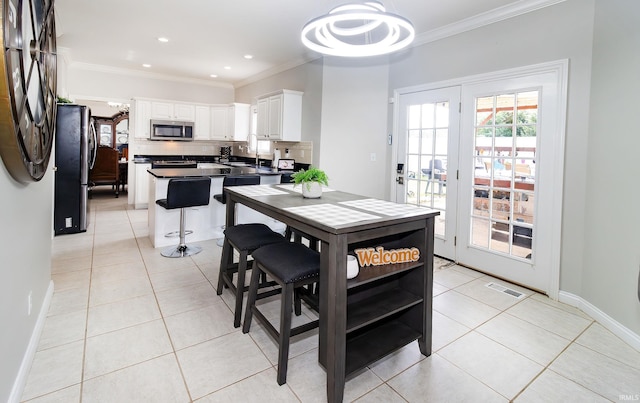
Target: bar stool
[[292, 266], [183, 193], [234, 180], [245, 238]]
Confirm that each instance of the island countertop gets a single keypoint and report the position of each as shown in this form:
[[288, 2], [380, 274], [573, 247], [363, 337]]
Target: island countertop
[[211, 172]]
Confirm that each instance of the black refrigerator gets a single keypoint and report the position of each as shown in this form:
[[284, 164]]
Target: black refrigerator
[[75, 143]]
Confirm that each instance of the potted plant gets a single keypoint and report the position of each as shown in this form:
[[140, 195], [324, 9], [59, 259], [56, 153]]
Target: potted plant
[[312, 180]]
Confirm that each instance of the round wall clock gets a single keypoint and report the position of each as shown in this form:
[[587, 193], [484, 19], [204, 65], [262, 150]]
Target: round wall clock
[[27, 87]]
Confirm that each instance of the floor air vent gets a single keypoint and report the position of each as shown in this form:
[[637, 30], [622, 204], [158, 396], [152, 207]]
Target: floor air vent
[[505, 290]]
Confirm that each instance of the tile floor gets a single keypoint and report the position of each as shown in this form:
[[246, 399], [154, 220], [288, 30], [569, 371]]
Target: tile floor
[[127, 325]]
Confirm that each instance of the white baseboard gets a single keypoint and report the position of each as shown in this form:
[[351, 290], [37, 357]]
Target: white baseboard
[[27, 360], [605, 320]]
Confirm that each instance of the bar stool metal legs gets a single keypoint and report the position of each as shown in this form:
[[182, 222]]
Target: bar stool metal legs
[[182, 249]]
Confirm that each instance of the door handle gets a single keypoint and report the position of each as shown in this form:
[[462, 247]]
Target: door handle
[[400, 180]]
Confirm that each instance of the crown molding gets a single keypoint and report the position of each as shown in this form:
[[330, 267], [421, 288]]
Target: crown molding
[[483, 19], [136, 73]]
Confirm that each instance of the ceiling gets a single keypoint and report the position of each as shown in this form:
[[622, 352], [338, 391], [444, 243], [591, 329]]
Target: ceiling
[[205, 36]]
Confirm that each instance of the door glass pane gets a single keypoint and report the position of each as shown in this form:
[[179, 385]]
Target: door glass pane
[[427, 158], [503, 211]]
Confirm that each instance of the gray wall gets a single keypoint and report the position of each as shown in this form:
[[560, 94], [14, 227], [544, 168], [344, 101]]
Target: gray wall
[[25, 247], [612, 218]]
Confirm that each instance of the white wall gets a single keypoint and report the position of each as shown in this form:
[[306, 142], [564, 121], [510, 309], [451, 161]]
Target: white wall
[[353, 144], [612, 217], [25, 247]]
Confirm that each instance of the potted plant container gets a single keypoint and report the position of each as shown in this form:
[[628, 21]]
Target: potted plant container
[[311, 180]]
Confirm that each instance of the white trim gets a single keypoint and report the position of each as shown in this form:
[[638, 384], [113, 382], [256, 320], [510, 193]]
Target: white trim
[[27, 359], [615, 327], [561, 69], [483, 19]]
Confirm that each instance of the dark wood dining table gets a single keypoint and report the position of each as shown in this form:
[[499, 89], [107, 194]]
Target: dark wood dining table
[[382, 309]]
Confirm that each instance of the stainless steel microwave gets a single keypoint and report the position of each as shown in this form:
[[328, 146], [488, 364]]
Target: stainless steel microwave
[[171, 130]]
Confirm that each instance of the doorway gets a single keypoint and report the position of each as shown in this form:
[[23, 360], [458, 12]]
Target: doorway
[[488, 154]]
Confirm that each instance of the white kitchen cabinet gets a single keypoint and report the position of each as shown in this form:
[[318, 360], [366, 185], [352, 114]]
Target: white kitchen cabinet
[[230, 122], [238, 120], [280, 116], [141, 199], [219, 118], [140, 116], [173, 111], [202, 123]]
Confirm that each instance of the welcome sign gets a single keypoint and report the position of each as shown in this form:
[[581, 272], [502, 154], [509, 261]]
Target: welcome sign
[[379, 256]]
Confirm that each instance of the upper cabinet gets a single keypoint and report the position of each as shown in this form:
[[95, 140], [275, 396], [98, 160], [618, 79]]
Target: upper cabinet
[[202, 122], [225, 122], [230, 122], [173, 111], [141, 114], [280, 116]]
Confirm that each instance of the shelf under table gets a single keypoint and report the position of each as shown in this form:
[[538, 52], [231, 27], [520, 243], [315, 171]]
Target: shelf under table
[[376, 343]]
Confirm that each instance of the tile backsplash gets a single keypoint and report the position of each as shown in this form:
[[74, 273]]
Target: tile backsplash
[[301, 151]]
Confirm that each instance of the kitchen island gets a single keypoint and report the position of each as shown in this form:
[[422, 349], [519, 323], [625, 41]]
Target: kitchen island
[[206, 222], [386, 306]]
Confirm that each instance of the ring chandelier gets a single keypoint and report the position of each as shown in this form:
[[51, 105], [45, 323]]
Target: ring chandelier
[[358, 30]]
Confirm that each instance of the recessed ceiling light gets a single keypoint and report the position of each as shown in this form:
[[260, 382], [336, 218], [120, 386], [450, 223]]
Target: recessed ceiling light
[[227, 67], [213, 76], [146, 65], [163, 39], [249, 57]]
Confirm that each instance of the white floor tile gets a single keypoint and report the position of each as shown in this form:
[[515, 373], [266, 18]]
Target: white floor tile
[[597, 338], [529, 340], [451, 278], [155, 380], [445, 330], [62, 329], [260, 387], [550, 318], [218, 363], [121, 314], [551, 387], [463, 309], [598, 373], [193, 327], [66, 395], [381, 394], [107, 292], [54, 369], [183, 299], [437, 380], [504, 370], [115, 350]]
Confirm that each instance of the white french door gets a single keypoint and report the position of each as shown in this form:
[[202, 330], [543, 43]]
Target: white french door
[[427, 148], [494, 170]]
